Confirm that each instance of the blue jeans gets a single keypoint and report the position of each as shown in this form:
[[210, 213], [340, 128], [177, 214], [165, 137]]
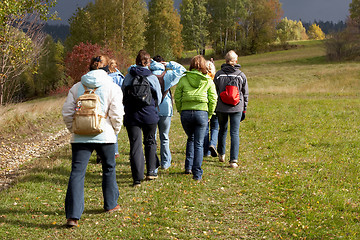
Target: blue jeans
[[165, 154], [81, 152], [234, 133], [194, 124], [116, 145], [214, 132]]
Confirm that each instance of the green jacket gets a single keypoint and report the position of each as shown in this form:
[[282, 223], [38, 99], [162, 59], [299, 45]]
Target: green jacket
[[196, 91]]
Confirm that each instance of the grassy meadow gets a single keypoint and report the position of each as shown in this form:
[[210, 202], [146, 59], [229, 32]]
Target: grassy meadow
[[298, 175]]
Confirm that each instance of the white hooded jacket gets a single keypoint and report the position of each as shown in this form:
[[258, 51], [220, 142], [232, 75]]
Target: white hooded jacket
[[111, 103]]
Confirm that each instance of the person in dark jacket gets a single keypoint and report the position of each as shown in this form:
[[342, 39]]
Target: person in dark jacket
[[230, 71], [140, 120]]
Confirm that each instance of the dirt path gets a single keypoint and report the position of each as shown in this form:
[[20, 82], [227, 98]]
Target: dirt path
[[15, 153]]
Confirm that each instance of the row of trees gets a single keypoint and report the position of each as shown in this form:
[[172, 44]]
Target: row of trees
[[122, 27], [345, 45]]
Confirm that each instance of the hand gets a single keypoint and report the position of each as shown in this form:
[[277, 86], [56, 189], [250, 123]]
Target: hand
[[242, 116]]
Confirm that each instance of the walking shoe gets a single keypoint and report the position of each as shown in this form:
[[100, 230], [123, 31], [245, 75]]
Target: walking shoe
[[188, 171], [137, 183], [213, 151], [222, 158], [151, 177], [117, 208], [233, 165], [71, 222]]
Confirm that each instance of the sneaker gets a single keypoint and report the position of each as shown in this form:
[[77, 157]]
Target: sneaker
[[222, 158], [71, 222], [137, 183], [233, 165], [117, 155], [151, 177], [164, 168], [213, 151], [188, 171], [117, 208]]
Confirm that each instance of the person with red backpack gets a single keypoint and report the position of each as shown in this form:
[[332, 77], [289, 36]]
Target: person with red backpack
[[232, 89]]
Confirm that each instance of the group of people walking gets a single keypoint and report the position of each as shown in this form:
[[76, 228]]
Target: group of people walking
[[197, 99]]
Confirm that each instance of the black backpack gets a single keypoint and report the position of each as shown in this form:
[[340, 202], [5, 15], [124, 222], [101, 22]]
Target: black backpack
[[138, 93]]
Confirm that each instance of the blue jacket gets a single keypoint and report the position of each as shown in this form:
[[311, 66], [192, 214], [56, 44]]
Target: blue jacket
[[148, 114], [172, 76], [117, 77]]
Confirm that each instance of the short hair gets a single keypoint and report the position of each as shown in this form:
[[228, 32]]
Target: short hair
[[231, 57], [210, 69], [98, 62], [198, 63], [143, 58], [158, 58]]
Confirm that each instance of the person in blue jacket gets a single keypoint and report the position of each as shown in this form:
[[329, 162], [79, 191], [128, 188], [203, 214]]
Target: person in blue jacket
[[142, 120], [168, 74], [118, 78]]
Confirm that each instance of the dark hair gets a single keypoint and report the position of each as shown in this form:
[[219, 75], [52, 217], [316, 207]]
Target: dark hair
[[98, 62], [143, 58], [158, 58], [198, 63]]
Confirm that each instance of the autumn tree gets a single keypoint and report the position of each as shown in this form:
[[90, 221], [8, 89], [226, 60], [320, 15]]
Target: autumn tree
[[315, 32], [117, 24], [259, 24], [77, 61], [163, 34], [354, 9], [20, 49], [288, 30], [195, 20]]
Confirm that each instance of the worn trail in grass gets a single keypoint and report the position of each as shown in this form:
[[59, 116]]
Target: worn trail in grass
[[298, 176]]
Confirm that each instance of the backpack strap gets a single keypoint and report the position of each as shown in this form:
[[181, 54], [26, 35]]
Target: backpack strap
[[162, 84]]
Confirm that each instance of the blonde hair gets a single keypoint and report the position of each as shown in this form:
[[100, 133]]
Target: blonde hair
[[112, 65], [231, 57], [210, 67]]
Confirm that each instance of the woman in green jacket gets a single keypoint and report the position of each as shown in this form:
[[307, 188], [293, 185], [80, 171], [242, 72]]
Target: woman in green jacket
[[195, 99]]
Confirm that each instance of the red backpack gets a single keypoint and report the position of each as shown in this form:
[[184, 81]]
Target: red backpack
[[231, 95]]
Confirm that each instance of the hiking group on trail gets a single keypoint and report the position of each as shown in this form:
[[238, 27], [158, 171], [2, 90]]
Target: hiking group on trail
[[104, 100]]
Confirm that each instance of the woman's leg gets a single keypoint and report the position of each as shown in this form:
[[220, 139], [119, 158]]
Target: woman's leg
[[164, 129], [200, 122], [137, 160], [234, 134], [189, 128], [109, 185], [223, 126], [74, 201], [152, 160]]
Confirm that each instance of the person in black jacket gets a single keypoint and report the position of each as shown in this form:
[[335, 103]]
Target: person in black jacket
[[230, 72], [142, 120]]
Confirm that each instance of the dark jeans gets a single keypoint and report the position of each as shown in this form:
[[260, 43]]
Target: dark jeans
[[81, 152], [137, 160], [194, 124]]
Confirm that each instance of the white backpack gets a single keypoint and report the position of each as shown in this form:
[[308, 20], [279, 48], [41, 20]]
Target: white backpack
[[88, 114]]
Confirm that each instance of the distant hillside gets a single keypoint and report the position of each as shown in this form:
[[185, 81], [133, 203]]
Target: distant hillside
[[57, 32]]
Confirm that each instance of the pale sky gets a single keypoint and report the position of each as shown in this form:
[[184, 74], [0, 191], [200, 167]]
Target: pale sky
[[306, 10]]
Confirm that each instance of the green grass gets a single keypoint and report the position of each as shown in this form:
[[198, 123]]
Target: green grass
[[298, 176]]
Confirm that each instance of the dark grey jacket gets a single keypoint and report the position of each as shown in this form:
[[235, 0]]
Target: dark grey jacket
[[221, 79]]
